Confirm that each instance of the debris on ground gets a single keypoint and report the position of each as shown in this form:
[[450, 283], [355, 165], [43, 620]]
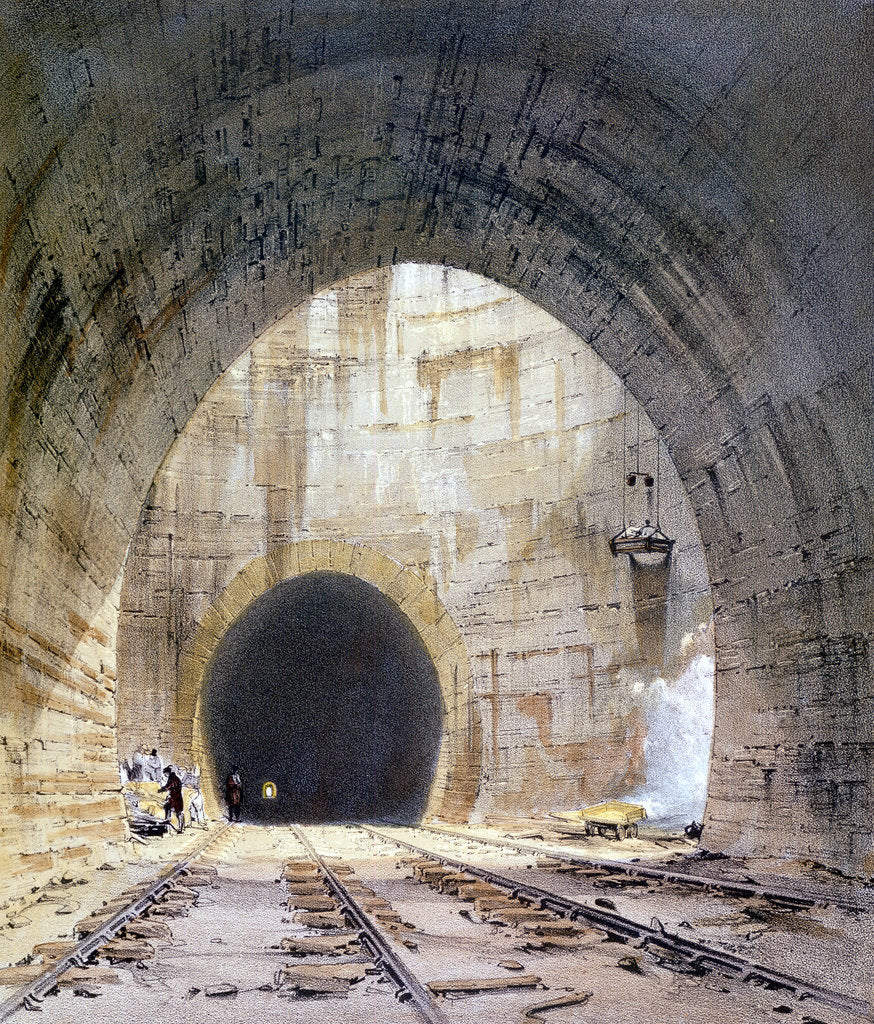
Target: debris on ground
[[326, 945], [311, 903], [127, 950], [352, 973], [321, 920], [629, 963], [140, 928], [25, 974], [316, 988], [223, 989], [89, 991], [472, 985], [306, 889], [518, 916], [532, 1013], [50, 951]]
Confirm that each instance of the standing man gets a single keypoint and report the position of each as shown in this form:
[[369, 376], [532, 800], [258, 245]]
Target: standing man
[[234, 794], [196, 811], [173, 804], [137, 773], [153, 767]]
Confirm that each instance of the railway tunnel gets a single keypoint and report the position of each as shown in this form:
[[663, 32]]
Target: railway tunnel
[[324, 691], [397, 298]]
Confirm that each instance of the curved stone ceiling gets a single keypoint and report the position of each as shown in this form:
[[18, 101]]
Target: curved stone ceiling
[[687, 190]]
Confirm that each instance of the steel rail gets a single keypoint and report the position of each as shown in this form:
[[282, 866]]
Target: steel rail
[[407, 985], [732, 888], [33, 993], [698, 955], [742, 890]]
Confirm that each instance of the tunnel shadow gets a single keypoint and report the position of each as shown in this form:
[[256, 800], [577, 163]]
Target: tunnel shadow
[[323, 688]]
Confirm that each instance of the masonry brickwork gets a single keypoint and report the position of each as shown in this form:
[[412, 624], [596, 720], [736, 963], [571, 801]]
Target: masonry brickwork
[[440, 419], [686, 187]]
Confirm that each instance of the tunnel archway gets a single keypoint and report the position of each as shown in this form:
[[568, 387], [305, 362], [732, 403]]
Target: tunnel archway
[[713, 286], [584, 673], [428, 637], [323, 688]]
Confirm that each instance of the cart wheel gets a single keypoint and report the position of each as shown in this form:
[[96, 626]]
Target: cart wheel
[[621, 832], [634, 831], [590, 829]]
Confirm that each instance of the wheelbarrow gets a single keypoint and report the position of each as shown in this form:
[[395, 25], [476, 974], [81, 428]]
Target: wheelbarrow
[[614, 817]]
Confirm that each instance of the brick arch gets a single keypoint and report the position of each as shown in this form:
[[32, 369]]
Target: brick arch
[[704, 242], [456, 776]]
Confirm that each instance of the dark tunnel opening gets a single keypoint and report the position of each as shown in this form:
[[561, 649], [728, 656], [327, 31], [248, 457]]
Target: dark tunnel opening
[[324, 688]]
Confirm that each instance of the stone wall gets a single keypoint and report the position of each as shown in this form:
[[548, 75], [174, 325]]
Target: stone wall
[[447, 423], [686, 186]]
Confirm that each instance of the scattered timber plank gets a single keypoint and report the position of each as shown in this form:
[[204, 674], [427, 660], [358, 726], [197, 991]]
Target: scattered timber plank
[[199, 872], [351, 973], [471, 985], [143, 929], [532, 1013], [178, 889], [619, 882], [341, 869], [516, 915], [173, 909], [306, 889], [303, 987], [50, 951], [301, 865], [429, 872], [92, 923], [369, 904], [128, 950], [321, 920], [358, 889], [89, 976], [387, 915], [480, 890], [311, 903], [324, 945], [485, 906], [451, 882], [551, 927], [587, 937], [300, 876], [25, 974]]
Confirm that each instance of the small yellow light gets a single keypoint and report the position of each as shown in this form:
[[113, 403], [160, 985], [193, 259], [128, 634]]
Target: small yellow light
[[268, 791]]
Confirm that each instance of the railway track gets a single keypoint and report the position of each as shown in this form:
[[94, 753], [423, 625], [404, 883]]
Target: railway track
[[737, 889], [385, 957], [407, 930], [697, 955], [31, 995]]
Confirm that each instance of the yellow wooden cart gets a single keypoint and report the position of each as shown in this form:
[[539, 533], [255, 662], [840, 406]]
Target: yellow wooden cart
[[613, 817]]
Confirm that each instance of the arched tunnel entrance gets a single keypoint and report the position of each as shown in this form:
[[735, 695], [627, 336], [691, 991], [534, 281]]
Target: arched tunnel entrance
[[323, 687]]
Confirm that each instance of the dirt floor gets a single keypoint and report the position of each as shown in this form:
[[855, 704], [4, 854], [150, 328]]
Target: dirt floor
[[224, 959]]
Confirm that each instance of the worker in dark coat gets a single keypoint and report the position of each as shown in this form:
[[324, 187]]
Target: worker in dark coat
[[173, 805], [234, 794]]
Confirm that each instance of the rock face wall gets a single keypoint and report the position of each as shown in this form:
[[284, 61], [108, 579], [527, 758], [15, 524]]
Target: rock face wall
[[686, 186], [438, 418]]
